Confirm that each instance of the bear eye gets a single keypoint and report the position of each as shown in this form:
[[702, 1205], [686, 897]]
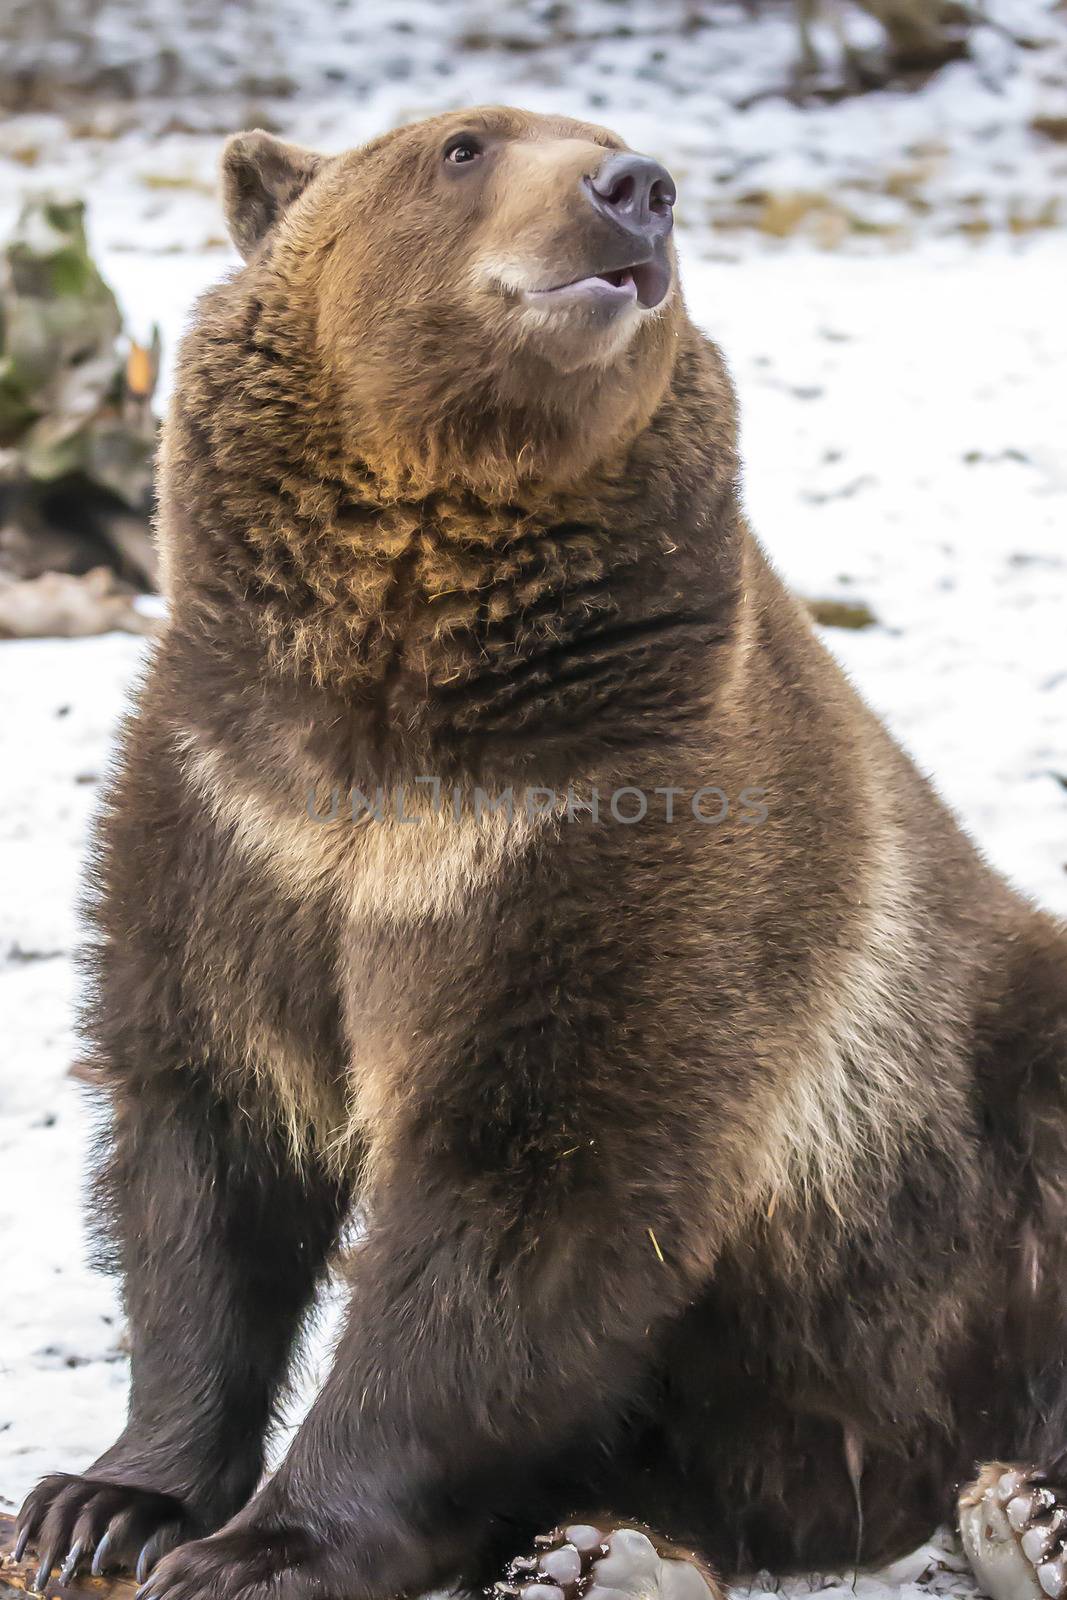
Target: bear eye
[[460, 151]]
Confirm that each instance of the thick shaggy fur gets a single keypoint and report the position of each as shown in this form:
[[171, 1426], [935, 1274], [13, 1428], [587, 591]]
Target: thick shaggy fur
[[714, 1174]]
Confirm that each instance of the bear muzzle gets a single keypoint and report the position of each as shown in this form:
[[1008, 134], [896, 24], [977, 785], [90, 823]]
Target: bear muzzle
[[635, 196]]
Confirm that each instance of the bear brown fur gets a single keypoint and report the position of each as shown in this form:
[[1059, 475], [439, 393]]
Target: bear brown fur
[[712, 1163]]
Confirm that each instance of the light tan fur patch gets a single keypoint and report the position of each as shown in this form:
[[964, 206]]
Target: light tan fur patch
[[853, 1085], [413, 857]]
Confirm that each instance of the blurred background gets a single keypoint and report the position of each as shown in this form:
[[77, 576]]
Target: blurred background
[[872, 221]]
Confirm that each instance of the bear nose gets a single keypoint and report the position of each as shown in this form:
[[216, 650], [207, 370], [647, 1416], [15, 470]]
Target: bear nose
[[635, 192]]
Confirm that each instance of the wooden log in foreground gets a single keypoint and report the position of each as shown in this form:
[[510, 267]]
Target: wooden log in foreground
[[16, 1580]]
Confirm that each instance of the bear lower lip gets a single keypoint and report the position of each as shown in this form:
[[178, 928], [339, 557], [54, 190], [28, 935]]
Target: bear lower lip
[[644, 285], [606, 289]]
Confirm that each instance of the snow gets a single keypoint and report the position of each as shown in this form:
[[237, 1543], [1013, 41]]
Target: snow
[[900, 373]]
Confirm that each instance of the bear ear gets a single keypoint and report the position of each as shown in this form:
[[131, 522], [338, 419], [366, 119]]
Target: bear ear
[[261, 177]]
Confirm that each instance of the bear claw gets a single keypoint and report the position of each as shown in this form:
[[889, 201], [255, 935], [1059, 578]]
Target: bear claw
[[70, 1566], [1014, 1529], [99, 1567]]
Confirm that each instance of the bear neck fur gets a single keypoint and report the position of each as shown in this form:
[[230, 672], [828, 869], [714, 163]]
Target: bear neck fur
[[371, 583]]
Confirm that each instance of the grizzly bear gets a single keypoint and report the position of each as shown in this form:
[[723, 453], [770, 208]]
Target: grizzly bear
[[496, 857]]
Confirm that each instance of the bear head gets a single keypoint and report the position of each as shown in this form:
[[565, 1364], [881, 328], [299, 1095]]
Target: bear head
[[492, 294]]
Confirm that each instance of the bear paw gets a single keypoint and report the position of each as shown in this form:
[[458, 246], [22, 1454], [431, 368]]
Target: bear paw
[[612, 1562], [1014, 1531], [73, 1521]]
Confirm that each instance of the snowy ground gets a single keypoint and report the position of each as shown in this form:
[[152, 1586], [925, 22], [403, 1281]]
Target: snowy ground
[[901, 376]]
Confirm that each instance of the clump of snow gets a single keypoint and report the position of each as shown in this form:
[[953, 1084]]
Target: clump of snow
[[900, 374]]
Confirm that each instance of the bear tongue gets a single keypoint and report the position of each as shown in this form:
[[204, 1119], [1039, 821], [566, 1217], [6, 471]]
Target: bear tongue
[[618, 280], [610, 288]]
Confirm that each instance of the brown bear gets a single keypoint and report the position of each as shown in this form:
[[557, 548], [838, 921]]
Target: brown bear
[[496, 854]]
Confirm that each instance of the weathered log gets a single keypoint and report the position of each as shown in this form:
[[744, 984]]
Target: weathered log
[[17, 1579], [67, 607]]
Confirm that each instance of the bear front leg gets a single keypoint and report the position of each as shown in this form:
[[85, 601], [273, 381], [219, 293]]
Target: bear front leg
[[220, 1241], [505, 1306]]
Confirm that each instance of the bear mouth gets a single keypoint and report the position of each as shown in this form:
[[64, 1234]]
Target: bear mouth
[[643, 284]]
